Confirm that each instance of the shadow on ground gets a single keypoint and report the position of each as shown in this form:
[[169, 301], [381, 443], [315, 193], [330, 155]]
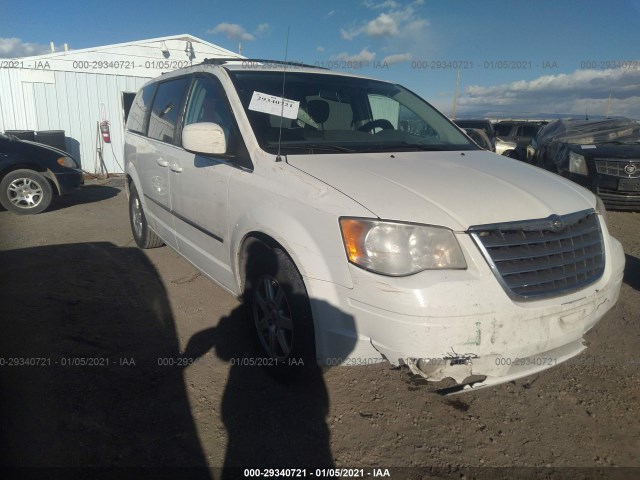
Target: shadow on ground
[[84, 194], [632, 271], [87, 332], [83, 329]]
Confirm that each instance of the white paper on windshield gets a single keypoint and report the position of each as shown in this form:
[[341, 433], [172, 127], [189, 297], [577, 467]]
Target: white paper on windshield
[[262, 102], [587, 147]]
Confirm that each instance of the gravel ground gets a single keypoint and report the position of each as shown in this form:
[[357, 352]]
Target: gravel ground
[[112, 332]]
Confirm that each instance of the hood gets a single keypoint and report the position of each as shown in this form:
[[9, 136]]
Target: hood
[[609, 150], [47, 147], [451, 189]]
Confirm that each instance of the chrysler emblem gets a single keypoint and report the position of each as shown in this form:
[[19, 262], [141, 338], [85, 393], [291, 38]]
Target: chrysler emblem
[[556, 223], [630, 169]]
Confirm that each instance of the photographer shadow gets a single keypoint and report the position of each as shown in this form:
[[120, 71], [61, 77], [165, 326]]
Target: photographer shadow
[[271, 423], [86, 325]]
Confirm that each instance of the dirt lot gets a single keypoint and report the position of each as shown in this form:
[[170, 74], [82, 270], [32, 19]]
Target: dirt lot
[[113, 330]]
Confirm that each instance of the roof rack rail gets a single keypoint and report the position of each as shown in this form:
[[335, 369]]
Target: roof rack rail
[[220, 61]]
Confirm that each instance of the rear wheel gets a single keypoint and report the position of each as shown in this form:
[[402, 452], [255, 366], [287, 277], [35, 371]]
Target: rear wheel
[[280, 312], [142, 234], [25, 192]]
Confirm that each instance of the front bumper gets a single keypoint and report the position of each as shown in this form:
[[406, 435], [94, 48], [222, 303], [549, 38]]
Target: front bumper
[[66, 181], [618, 200], [457, 324], [615, 194]]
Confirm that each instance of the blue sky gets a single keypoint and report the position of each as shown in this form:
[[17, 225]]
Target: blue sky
[[516, 57]]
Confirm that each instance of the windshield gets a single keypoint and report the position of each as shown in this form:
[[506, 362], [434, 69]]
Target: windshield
[[330, 114]]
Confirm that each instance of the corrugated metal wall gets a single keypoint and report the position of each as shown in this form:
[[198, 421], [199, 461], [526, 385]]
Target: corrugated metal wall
[[69, 101]]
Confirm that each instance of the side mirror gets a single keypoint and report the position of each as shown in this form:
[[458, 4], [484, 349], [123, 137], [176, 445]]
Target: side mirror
[[206, 138]]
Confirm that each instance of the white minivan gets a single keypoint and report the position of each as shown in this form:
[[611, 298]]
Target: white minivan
[[360, 225]]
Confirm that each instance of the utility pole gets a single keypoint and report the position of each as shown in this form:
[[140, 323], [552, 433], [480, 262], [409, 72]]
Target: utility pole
[[455, 96]]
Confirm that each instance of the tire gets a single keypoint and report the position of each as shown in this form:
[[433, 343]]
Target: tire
[[279, 312], [25, 192], [512, 154], [142, 234]]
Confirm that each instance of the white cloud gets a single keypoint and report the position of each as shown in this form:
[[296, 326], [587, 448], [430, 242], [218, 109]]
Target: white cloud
[[262, 29], [383, 26], [232, 31], [320, 49], [396, 58], [364, 56], [15, 48], [330, 14], [563, 93], [392, 23], [378, 6]]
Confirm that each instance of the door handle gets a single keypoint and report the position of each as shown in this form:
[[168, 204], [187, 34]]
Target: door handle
[[175, 168], [162, 163]]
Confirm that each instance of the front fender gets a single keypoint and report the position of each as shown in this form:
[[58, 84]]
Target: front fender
[[134, 178], [315, 247]]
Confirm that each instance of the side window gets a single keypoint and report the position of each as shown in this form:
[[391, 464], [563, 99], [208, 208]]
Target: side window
[[208, 103], [502, 130], [136, 121], [165, 112]]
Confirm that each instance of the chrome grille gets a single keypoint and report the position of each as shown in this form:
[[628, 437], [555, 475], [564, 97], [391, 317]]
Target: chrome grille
[[544, 258], [616, 167]]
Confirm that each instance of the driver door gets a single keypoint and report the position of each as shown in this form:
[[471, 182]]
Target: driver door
[[199, 185]]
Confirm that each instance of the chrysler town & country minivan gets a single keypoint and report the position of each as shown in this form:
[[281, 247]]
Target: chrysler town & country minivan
[[360, 225]]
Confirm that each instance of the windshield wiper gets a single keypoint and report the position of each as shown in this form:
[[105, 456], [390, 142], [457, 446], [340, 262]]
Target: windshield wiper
[[420, 146], [317, 146]]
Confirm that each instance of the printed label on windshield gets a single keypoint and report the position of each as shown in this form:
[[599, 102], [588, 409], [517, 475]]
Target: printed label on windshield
[[262, 102]]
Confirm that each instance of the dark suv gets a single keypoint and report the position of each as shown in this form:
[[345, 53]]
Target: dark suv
[[479, 124], [30, 173], [601, 155], [519, 132]]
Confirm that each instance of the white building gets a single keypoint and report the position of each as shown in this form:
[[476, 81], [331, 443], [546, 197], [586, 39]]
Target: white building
[[75, 90]]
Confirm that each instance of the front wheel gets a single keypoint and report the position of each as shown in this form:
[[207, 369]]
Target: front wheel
[[280, 312], [142, 234], [25, 192]]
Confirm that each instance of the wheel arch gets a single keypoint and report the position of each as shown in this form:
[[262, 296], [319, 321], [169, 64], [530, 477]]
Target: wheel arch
[[36, 167], [133, 179], [302, 246]]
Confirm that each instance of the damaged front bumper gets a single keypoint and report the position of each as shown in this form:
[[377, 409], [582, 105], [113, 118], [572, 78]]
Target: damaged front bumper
[[459, 324], [473, 372]]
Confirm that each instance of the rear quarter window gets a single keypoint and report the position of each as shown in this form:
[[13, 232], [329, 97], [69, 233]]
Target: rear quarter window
[[137, 120]]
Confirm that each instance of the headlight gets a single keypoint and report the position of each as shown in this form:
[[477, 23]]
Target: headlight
[[602, 211], [577, 164], [397, 249], [67, 162]]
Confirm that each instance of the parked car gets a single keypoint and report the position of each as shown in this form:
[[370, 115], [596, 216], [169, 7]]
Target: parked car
[[480, 138], [601, 155], [519, 132], [506, 148], [31, 173], [481, 124], [360, 225]]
